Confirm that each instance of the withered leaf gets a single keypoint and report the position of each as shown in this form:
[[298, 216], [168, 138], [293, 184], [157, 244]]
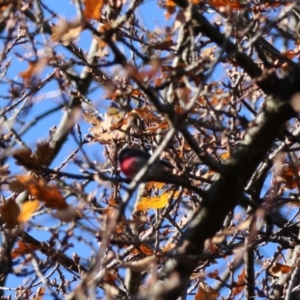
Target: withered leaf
[[240, 284], [44, 153], [27, 209], [206, 292], [48, 194], [34, 69], [93, 9], [9, 213], [65, 32], [23, 248]]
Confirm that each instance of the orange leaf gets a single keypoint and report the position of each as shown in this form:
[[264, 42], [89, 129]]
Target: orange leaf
[[171, 8], [34, 69], [93, 9], [288, 178], [214, 274], [225, 155], [3, 7], [290, 54], [28, 208], [49, 194], [240, 284], [169, 247], [159, 185], [234, 4], [39, 293], [23, 249], [102, 28], [154, 185], [155, 202], [136, 93], [206, 292], [9, 212], [278, 269], [146, 250]]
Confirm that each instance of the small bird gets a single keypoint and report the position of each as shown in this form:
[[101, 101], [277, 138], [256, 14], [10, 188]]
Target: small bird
[[133, 160]]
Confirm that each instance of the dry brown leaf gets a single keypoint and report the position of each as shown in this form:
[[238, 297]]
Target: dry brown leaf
[[34, 69], [142, 249], [27, 209], [3, 7], [120, 124], [141, 265], [48, 194], [39, 294], [197, 276], [290, 54], [93, 9], [233, 4], [136, 92], [65, 32], [162, 125], [209, 174], [44, 153], [23, 248], [206, 292], [168, 247], [145, 114], [164, 45], [91, 118], [110, 213], [25, 155], [207, 54], [214, 274], [171, 8], [278, 269], [110, 286], [240, 284], [9, 213], [146, 250], [16, 187], [41, 157], [102, 28], [287, 177], [113, 127]]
